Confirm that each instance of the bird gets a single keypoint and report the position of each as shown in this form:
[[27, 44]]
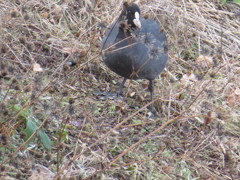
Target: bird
[[135, 48]]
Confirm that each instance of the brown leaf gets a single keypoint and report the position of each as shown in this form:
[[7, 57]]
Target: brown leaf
[[234, 97], [118, 108], [207, 118], [204, 61], [44, 15]]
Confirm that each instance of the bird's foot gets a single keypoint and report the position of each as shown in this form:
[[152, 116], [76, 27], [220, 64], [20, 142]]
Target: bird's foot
[[153, 112]]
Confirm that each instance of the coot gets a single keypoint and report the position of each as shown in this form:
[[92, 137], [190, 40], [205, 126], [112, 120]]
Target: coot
[[135, 48]]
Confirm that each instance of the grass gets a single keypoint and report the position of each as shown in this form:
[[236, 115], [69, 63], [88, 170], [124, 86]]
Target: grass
[[54, 115]]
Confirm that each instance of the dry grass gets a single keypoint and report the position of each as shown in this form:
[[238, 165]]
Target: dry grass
[[51, 74]]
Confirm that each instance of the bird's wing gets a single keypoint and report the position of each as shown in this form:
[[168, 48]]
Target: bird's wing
[[110, 35]]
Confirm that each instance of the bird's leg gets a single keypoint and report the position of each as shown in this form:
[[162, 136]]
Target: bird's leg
[[119, 91], [150, 88]]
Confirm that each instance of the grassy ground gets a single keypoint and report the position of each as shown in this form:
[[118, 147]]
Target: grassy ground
[[56, 122]]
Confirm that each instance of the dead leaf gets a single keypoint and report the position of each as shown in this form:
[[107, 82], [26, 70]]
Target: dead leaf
[[71, 50], [68, 50], [40, 172], [6, 178], [189, 78], [37, 67], [57, 9], [207, 118], [44, 15], [204, 61], [234, 97], [132, 94], [144, 85]]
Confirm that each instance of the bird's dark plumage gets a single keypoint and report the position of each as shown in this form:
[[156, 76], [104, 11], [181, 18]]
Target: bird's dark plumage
[[135, 48]]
